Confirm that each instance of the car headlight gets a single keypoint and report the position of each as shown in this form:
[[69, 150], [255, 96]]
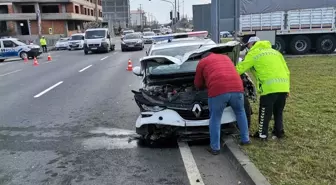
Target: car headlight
[[152, 108]]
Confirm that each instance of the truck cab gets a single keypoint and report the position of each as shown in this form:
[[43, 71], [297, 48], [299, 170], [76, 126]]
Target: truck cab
[[98, 40]]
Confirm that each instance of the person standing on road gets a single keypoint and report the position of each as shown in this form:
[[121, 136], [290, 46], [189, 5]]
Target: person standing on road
[[43, 44], [217, 72], [273, 83]]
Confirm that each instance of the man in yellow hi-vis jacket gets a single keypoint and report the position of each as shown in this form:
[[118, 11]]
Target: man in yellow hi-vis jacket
[[273, 83], [43, 44]]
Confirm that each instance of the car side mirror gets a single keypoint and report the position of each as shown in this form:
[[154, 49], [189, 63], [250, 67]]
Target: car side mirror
[[137, 71]]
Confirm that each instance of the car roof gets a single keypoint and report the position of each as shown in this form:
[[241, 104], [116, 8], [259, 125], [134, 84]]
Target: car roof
[[181, 43]]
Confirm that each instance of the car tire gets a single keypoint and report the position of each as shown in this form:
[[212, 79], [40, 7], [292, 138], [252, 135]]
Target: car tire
[[23, 55], [1, 60], [326, 44], [122, 50], [86, 52], [300, 45]]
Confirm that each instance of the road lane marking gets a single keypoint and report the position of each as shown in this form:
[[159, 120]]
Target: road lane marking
[[85, 68], [193, 173], [10, 72], [104, 58], [45, 91]]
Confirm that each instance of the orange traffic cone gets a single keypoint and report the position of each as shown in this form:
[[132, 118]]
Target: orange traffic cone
[[49, 57], [35, 62], [129, 67], [25, 60]]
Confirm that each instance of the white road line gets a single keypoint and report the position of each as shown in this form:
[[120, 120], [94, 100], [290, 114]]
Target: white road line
[[193, 173], [104, 58], [11, 72], [45, 91], [85, 68]]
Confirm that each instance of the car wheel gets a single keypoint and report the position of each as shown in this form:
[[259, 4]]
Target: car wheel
[[1, 60], [23, 55], [326, 44], [122, 50]]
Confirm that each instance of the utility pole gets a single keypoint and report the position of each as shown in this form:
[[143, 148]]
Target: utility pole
[[141, 22], [96, 7]]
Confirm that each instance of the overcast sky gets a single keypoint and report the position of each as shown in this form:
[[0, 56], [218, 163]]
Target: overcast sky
[[161, 9]]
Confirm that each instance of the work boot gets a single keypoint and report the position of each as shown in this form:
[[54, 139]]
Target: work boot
[[213, 152]]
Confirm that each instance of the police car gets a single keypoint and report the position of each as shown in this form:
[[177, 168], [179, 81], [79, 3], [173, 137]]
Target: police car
[[13, 48]]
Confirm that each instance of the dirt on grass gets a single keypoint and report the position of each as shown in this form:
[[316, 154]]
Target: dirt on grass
[[307, 156]]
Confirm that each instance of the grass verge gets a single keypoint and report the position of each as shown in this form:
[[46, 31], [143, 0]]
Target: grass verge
[[308, 153]]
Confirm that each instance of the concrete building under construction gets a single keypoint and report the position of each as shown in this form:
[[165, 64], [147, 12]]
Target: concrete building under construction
[[117, 11], [47, 17]]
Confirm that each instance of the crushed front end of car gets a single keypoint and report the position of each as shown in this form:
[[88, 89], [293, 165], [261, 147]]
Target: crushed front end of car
[[170, 105]]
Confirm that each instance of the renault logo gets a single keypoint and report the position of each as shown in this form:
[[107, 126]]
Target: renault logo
[[197, 110]]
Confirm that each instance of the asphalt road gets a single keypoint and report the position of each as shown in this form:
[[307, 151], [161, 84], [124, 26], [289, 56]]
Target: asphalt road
[[70, 121]]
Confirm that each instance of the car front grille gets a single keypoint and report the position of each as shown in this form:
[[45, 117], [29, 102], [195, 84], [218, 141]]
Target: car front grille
[[35, 50], [189, 115], [131, 43], [93, 45]]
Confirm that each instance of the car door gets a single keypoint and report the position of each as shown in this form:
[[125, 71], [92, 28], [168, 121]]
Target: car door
[[9, 48]]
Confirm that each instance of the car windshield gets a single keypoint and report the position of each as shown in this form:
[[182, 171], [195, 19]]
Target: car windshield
[[76, 37], [132, 36], [95, 34], [62, 40], [175, 51], [154, 68], [149, 34], [19, 43], [156, 31]]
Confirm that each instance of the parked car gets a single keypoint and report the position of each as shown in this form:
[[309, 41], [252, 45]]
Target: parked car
[[13, 48], [148, 37], [62, 43], [76, 41], [132, 41]]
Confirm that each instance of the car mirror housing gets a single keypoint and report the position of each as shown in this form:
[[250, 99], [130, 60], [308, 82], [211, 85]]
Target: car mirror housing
[[137, 71]]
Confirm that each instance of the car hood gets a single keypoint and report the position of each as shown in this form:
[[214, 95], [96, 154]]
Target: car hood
[[232, 46], [131, 40]]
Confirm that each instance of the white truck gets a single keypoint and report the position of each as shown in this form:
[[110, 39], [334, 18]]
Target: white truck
[[297, 31]]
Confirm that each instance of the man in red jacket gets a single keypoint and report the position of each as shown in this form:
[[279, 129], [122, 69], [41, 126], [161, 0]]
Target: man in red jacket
[[218, 74]]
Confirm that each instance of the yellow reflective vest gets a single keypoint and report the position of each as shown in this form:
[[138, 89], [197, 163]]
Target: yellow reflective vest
[[269, 68], [43, 41]]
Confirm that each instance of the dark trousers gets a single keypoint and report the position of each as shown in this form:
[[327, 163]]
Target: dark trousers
[[248, 110], [44, 48], [271, 104]]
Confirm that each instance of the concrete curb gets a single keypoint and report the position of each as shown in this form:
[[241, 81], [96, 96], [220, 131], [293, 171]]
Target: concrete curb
[[243, 164]]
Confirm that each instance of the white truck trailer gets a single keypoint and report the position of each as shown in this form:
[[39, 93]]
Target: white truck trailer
[[297, 31]]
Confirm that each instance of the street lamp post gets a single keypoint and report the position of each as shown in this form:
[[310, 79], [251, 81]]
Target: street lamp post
[[174, 8]]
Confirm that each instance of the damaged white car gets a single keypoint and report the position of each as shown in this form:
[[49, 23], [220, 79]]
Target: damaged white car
[[169, 103]]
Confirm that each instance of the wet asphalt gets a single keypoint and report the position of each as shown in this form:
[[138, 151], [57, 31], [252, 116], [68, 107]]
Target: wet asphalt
[[81, 131]]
